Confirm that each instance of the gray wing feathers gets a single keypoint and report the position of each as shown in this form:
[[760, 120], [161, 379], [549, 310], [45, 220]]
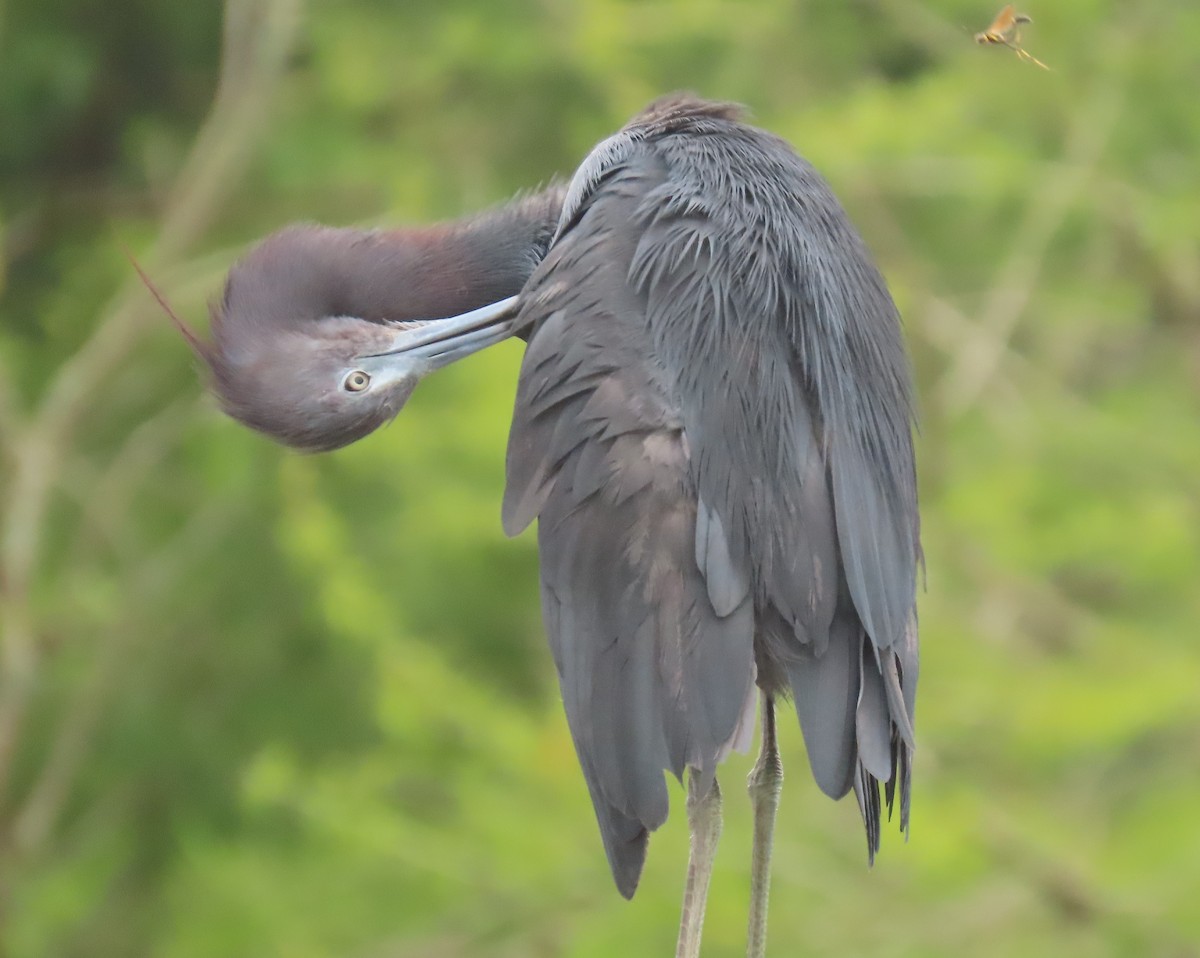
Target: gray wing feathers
[[727, 583], [786, 350], [826, 691], [653, 678], [877, 544], [872, 720], [624, 837], [655, 663]]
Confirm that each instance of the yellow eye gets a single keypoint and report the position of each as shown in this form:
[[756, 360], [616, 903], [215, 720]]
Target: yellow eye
[[356, 382]]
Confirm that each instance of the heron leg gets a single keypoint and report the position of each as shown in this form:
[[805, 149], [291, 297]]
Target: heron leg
[[765, 783], [704, 824]]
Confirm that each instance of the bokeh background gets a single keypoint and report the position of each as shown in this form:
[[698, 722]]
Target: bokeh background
[[254, 703]]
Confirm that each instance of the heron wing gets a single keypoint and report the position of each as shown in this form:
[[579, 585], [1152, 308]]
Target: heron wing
[[785, 351], [650, 625]]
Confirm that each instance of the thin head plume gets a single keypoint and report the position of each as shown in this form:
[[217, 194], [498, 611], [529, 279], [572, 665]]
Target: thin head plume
[[199, 347]]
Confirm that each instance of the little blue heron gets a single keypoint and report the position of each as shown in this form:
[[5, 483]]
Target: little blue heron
[[713, 426]]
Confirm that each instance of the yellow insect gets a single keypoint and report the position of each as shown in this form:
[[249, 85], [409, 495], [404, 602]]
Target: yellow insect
[[1005, 30]]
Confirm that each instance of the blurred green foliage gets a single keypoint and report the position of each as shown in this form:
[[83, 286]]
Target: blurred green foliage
[[258, 704]]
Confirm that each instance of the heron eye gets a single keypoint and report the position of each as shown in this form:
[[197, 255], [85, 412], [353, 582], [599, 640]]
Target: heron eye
[[356, 382]]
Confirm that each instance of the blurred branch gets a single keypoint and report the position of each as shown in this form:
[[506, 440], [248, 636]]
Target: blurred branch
[[918, 23], [1067, 890], [9, 421], [104, 496], [970, 376], [948, 329], [1035, 608], [258, 36], [941, 324], [37, 817]]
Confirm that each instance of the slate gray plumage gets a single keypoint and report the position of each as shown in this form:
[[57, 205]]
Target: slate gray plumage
[[713, 423], [713, 426]]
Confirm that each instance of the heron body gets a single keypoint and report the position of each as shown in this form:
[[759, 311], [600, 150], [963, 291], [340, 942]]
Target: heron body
[[713, 427]]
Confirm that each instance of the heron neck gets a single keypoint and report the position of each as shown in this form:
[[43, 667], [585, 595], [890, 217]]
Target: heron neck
[[443, 270]]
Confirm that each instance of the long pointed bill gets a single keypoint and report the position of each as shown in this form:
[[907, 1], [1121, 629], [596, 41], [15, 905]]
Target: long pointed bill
[[439, 342]]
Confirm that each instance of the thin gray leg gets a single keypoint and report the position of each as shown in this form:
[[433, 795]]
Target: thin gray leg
[[764, 784], [704, 824]]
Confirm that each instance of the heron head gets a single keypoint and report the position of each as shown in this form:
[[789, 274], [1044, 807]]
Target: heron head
[[317, 383], [303, 354]]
